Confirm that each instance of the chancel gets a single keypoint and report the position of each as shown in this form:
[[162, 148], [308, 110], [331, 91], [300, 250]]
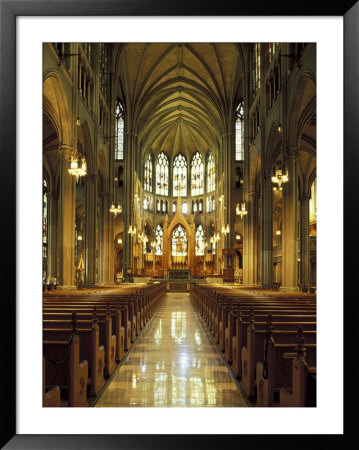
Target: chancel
[[179, 224]]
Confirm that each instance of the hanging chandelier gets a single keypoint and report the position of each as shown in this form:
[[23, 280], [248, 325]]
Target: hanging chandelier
[[279, 177], [116, 209], [78, 166], [241, 210]]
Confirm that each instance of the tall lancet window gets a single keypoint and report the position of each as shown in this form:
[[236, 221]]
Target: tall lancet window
[[240, 132], [197, 174], [44, 226], [199, 241], [159, 240], [179, 241], [148, 174], [272, 48], [180, 176], [162, 174], [211, 173], [119, 132], [256, 67]]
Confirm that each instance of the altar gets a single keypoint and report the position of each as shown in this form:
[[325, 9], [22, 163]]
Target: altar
[[179, 274]]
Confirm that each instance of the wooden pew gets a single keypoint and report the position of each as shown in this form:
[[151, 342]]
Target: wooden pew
[[253, 351], [242, 320], [303, 386], [98, 342], [52, 397], [274, 372], [90, 348], [70, 374]]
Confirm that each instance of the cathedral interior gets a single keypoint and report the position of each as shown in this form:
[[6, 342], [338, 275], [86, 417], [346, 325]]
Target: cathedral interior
[[179, 224], [198, 157]]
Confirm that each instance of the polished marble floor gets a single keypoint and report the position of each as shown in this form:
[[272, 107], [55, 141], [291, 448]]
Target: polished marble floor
[[174, 363]]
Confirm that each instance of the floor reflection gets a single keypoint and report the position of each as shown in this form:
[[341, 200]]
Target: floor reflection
[[173, 364]]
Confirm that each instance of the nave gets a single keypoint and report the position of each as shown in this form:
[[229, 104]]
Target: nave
[[173, 363]]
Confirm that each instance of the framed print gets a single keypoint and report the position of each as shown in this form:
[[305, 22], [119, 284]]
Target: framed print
[[24, 29]]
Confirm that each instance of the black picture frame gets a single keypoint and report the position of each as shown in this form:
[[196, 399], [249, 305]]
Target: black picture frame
[[9, 10]]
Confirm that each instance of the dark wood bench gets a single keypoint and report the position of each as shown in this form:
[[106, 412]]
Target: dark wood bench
[[284, 365], [52, 397], [252, 352], [70, 375], [90, 348]]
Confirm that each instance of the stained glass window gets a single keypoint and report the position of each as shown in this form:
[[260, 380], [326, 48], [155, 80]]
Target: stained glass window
[[197, 176], [180, 176], [210, 204], [147, 203], [159, 240], [119, 132], [199, 241], [162, 174], [44, 220], [240, 132], [256, 67], [184, 208], [211, 173], [148, 174], [179, 241], [272, 48]]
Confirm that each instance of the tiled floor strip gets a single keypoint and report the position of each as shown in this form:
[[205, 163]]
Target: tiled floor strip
[[174, 363]]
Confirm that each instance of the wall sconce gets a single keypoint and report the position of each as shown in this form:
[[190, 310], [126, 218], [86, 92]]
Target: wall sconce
[[119, 240], [132, 229], [225, 229], [241, 210], [278, 232], [238, 237], [142, 237]]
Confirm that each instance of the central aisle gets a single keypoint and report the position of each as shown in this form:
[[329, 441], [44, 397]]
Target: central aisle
[[173, 363]]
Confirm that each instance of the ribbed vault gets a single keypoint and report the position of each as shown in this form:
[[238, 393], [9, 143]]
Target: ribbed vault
[[177, 96]]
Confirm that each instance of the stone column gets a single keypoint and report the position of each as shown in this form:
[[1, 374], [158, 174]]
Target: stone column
[[66, 225], [128, 209], [107, 245], [304, 240], [91, 226], [290, 223], [267, 233], [250, 242], [228, 218]]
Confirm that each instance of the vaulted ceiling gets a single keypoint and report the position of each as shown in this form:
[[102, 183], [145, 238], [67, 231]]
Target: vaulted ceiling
[[177, 96]]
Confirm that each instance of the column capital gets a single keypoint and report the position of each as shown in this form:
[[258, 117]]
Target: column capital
[[305, 196], [253, 195], [293, 152], [52, 194], [65, 151], [92, 178]]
